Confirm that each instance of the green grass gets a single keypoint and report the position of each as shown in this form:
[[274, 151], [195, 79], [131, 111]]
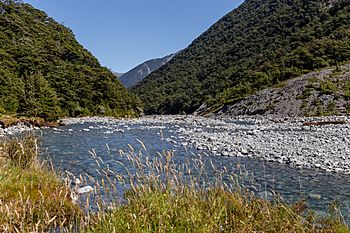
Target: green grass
[[163, 197]]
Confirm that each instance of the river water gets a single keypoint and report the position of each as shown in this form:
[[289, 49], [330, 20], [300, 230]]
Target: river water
[[69, 147]]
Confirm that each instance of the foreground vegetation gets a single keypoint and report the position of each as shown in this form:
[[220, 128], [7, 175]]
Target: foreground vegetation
[[45, 72], [32, 198], [258, 45], [162, 197]]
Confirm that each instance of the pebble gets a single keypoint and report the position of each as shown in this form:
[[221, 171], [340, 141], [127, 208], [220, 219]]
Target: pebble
[[224, 153], [85, 189], [244, 152]]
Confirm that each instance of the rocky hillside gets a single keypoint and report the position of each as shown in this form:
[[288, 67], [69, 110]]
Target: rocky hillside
[[258, 45], [321, 93], [137, 74], [45, 72]]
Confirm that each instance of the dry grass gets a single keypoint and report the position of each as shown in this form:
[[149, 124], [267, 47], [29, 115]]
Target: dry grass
[[161, 196], [169, 197], [8, 120], [32, 198]]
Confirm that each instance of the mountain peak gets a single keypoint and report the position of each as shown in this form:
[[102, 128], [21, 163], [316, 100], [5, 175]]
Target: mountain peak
[[137, 74]]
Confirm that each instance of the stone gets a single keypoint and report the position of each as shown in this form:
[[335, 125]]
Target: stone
[[244, 152], [224, 153], [85, 189], [299, 163], [315, 196]]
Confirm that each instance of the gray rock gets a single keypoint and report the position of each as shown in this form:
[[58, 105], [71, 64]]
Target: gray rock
[[244, 152], [224, 153]]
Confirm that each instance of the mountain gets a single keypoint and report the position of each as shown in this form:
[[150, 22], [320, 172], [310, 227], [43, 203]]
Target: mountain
[[137, 74], [117, 74], [258, 45], [45, 72]]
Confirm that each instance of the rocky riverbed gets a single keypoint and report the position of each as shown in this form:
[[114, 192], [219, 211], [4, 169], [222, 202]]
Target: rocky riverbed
[[10, 125], [286, 140], [15, 129], [289, 140]]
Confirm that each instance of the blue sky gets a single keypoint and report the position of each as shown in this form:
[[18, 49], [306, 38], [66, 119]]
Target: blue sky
[[125, 33]]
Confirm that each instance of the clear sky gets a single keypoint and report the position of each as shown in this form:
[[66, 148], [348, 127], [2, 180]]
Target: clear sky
[[125, 33]]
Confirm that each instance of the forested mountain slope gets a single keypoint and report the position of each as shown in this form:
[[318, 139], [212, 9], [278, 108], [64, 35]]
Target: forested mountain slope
[[257, 45], [45, 72]]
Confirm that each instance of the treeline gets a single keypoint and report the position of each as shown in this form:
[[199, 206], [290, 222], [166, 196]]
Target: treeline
[[45, 72], [259, 44]]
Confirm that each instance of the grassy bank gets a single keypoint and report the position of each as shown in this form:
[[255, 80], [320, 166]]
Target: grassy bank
[[162, 196], [32, 198]]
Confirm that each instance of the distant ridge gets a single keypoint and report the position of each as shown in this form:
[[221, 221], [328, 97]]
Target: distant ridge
[[137, 74], [117, 74]]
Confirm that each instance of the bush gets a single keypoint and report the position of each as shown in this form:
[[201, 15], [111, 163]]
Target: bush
[[20, 152]]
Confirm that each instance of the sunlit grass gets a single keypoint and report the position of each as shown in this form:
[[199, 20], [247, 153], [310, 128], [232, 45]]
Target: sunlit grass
[[168, 197], [32, 198], [160, 196]]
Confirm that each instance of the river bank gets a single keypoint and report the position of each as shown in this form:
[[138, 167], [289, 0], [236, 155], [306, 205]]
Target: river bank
[[10, 125], [299, 142]]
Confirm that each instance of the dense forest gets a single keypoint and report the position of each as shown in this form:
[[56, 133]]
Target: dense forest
[[45, 72], [257, 45]]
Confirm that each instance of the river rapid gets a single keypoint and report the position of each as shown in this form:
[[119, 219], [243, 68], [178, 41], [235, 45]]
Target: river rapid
[[280, 156]]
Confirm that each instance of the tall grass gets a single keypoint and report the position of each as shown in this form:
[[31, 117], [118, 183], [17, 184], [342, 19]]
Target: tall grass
[[32, 197], [195, 196], [161, 195]]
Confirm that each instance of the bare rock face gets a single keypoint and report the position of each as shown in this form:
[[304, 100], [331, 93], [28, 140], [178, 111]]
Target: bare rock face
[[320, 93], [328, 4]]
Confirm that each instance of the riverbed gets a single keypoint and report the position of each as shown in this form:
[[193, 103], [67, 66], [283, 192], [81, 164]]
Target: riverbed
[[282, 156]]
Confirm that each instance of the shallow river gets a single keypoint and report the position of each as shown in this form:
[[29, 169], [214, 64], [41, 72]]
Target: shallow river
[[69, 147]]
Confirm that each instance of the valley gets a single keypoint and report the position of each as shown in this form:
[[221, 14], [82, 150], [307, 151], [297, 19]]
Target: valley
[[244, 130]]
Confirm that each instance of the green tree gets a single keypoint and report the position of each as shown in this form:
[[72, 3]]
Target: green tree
[[10, 90], [38, 98], [76, 83]]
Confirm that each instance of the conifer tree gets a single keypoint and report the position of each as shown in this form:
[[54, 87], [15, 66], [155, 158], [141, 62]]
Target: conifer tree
[[38, 98]]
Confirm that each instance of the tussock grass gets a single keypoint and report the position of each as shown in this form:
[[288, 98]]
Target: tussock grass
[[32, 198], [161, 196], [189, 197]]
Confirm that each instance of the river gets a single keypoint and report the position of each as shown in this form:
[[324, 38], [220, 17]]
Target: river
[[69, 147]]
